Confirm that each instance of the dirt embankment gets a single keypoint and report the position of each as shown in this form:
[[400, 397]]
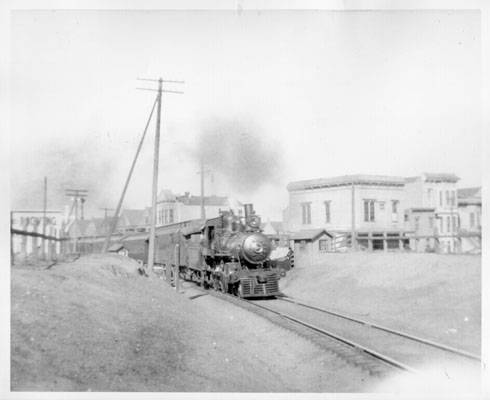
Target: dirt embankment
[[435, 296], [97, 325]]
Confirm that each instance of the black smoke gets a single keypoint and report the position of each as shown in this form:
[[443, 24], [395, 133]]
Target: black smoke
[[237, 150]]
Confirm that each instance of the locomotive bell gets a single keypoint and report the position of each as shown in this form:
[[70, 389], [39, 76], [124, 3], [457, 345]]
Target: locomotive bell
[[256, 248]]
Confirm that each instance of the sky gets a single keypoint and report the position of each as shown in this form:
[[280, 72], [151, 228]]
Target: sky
[[269, 97]]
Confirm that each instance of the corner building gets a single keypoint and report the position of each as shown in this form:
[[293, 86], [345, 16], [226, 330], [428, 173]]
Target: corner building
[[364, 203]]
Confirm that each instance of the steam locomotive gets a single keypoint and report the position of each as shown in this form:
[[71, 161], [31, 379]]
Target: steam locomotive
[[228, 253]]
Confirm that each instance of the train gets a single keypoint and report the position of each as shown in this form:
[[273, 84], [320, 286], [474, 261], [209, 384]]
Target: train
[[228, 253]]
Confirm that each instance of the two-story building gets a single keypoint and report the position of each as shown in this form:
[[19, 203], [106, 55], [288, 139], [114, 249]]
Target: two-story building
[[363, 205], [172, 208], [469, 209], [431, 200]]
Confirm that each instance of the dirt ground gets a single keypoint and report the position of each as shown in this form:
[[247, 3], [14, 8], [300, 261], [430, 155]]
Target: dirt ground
[[434, 296], [96, 325]]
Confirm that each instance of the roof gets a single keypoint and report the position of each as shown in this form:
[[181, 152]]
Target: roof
[[464, 193], [166, 195], [277, 226], [441, 177], [116, 247], [190, 200], [345, 180], [134, 217], [469, 196], [308, 234]]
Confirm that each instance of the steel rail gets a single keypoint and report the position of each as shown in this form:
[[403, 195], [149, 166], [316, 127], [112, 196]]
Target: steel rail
[[373, 353], [386, 329], [342, 339]]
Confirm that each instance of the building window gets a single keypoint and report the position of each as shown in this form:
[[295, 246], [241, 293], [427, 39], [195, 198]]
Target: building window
[[327, 212], [472, 220], [394, 210], [440, 198], [323, 245], [369, 210], [417, 223], [453, 198], [429, 196], [455, 223], [431, 222], [170, 216], [381, 205], [448, 198], [448, 225], [441, 225], [306, 213]]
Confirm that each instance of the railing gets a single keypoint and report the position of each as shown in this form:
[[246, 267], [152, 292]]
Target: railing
[[26, 245]]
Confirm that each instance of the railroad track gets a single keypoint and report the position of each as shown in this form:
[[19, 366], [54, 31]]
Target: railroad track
[[372, 325], [398, 349], [361, 341]]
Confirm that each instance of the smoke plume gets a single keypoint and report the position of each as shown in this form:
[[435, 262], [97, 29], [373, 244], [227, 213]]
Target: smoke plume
[[237, 150], [74, 166]]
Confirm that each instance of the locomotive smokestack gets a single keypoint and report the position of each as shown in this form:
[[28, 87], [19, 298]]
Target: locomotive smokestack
[[249, 210]]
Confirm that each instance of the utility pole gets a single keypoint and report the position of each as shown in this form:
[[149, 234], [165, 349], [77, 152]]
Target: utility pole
[[203, 210], [156, 156], [45, 200], [202, 172]]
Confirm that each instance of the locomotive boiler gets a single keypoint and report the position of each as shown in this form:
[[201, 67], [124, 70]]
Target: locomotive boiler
[[236, 256]]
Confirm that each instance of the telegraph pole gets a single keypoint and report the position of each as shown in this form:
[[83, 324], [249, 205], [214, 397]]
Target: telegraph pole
[[156, 156], [203, 210], [121, 199], [202, 172]]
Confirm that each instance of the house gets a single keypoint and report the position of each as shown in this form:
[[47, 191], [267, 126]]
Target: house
[[421, 221], [134, 220], [276, 232], [310, 246], [360, 204], [172, 208], [437, 191], [470, 210]]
